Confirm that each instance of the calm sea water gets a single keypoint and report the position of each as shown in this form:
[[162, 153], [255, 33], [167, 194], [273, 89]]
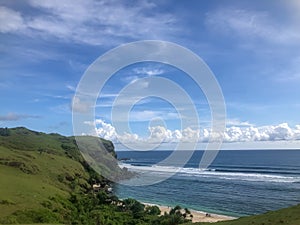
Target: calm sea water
[[237, 183]]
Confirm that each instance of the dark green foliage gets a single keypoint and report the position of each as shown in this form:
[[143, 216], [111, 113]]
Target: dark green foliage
[[33, 216], [152, 210], [134, 206], [175, 216], [108, 145], [175, 210]]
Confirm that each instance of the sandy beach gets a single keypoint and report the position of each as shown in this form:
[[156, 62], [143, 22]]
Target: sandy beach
[[198, 216]]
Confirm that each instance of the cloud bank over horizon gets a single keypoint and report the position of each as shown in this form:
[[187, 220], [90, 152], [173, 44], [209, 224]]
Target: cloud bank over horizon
[[232, 134]]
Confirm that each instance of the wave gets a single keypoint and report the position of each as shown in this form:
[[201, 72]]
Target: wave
[[228, 174], [255, 170]]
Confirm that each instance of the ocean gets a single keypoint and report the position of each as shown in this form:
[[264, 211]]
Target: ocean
[[237, 183]]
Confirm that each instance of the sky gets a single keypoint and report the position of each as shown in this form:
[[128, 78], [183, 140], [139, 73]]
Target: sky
[[252, 48]]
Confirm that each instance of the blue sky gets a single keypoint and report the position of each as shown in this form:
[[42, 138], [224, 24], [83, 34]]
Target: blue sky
[[252, 47]]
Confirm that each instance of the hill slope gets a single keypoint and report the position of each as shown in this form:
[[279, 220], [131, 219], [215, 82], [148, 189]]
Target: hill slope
[[288, 216], [39, 174], [44, 179], [36, 167]]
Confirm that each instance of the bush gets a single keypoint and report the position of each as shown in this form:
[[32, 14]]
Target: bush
[[152, 210], [32, 216], [4, 131]]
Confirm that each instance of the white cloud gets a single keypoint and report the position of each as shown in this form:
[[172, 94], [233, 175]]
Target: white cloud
[[88, 21], [177, 135], [148, 71], [140, 73], [10, 20], [129, 138], [71, 88], [297, 132], [105, 130], [189, 134], [159, 134], [79, 106], [253, 24], [280, 133]]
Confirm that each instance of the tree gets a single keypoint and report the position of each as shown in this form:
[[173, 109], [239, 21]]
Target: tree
[[4, 131], [175, 210], [152, 210], [175, 217], [134, 206]]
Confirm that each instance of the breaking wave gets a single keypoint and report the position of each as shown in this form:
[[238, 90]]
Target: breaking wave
[[249, 174]]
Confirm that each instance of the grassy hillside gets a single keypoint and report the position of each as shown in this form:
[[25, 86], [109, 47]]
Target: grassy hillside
[[44, 179], [36, 167], [288, 216]]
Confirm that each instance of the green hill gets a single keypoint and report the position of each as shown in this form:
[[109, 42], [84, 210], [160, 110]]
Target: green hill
[[38, 169], [288, 216]]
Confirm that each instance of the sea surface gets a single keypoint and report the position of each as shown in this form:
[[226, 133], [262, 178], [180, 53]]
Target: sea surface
[[237, 183]]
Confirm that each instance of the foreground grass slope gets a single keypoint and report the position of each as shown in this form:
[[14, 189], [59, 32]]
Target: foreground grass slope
[[36, 167], [288, 216]]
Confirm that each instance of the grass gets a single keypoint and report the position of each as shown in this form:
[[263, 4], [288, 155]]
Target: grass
[[288, 216], [39, 177], [35, 167]]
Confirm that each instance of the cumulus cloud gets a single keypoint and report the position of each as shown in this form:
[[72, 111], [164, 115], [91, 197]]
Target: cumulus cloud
[[281, 132], [105, 130], [189, 134], [160, 134], [157, 134]]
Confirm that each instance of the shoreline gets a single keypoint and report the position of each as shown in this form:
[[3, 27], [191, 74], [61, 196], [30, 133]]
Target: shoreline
[[198, 216]]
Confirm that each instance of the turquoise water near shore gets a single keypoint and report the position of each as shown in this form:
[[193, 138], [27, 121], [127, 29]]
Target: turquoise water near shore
[[237, 183]]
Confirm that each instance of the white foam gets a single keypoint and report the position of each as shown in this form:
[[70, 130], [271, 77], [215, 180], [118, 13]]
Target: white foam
[[196, 172]]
